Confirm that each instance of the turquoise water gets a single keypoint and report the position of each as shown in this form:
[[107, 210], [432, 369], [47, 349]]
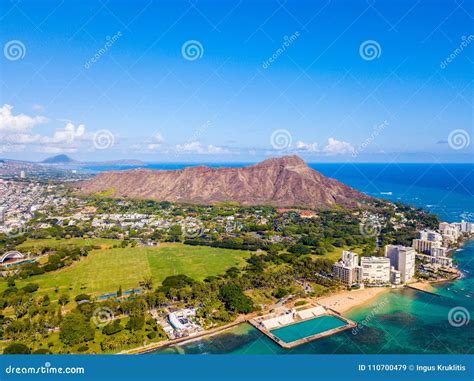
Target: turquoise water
[[307, 328], [400, 321]]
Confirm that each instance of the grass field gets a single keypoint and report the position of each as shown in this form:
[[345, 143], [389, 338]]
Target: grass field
[[53, 243], [336, 254], [104, 271]]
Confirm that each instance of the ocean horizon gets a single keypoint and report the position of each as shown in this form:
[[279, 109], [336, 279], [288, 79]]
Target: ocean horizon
[[399, 321], [443, 189]]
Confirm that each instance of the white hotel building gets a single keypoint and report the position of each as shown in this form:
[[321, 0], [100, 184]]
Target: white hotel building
[[347, 270], [429, 242], [375, 270], [450, 232], [402, 258]]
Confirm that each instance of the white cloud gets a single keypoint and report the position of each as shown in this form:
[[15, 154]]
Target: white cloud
[[12, 148], [18, 123], [38, 107], [198, 147], [17, 133], [158, 138], [156, 142], [333, 147], [309, 147], [66, 135], [190, 147], [338, 147], [152, 144], [213, 149]]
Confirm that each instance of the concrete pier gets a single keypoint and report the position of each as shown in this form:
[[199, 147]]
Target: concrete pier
[[257, 323]]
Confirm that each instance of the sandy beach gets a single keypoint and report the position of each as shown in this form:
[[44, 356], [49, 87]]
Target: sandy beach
[[346, 300]]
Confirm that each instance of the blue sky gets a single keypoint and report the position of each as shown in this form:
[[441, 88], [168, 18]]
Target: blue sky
[[103, 80]]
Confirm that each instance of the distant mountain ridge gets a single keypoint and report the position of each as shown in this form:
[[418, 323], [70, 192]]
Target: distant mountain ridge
[[58, 159], [65, 159], [283, 182]]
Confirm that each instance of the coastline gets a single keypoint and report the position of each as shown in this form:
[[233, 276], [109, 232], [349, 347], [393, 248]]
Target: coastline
[[344, 301], [182, 340], [340, 302]]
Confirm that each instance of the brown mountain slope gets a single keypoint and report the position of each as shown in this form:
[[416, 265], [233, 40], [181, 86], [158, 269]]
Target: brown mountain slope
[[285, 181]]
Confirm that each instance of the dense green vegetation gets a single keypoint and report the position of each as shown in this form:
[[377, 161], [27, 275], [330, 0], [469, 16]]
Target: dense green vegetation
[[230, 267], [105, 270]]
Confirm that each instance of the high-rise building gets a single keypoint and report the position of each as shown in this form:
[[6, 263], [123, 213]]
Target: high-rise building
[[429, 235], [347, 270], [22, 175], [394, 276], [450, 232], [429, 243], [467, 227], [375, 269], [424, 246], [442, 261], [402, 258], [350, 258], [438, 251]]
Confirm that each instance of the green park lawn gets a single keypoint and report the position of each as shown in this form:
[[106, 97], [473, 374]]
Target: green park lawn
[[36, 244], [336, 254], [105, 270]]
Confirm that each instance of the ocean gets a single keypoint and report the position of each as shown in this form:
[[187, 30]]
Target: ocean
[[443, 189], [400, 321]]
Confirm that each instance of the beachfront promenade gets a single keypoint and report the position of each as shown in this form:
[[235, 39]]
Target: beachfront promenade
[[335, 304]]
